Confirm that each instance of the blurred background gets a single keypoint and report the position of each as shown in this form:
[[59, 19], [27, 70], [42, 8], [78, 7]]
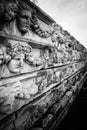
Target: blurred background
[[70, 14]]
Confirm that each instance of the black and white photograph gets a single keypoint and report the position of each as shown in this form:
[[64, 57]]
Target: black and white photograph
[[43, 60]]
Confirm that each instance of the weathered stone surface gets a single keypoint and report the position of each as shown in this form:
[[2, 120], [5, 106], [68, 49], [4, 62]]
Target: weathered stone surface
[[42, 67]]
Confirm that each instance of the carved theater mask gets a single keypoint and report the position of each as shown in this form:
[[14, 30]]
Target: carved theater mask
[[15, 65], [23, 21], [11, 9]]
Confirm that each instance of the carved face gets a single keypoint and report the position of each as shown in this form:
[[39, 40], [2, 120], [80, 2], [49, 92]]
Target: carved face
[[54, 36], [23, 21], [16, 64], [11, 11]]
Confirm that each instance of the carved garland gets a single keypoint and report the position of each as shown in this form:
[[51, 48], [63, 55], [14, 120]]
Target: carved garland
[[37, 28]]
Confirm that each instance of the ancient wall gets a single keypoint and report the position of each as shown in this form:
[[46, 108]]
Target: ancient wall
[[42, 68]]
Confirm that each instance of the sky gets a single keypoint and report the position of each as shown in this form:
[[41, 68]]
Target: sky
[[70, 14]]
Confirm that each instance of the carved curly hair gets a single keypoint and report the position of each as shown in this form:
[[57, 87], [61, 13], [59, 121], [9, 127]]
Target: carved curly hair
[[16, 48]]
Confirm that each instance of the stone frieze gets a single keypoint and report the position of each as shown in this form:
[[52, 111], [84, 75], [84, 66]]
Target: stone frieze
[[42, 67]]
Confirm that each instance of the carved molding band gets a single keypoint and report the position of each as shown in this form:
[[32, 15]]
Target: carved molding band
[[42, 67]]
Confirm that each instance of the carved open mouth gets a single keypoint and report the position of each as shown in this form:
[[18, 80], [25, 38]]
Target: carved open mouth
[[19, 66]]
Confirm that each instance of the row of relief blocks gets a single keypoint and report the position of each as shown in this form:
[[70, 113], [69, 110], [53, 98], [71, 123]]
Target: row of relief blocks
[[53, 113]]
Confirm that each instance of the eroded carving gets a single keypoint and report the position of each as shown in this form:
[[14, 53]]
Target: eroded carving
[[13, 59], [8, 9], [36, 27], [45, 79], [11, 8], [1, 9], [56, 37], [24, 18], [50, 67], [48, 57], [8, 14], [46, 120]]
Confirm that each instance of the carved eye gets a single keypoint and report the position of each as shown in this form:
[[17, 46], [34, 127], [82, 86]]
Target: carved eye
[[18, 59], [69, 45]]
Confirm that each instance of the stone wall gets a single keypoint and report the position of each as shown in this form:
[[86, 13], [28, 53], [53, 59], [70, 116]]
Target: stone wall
[[42, 68]]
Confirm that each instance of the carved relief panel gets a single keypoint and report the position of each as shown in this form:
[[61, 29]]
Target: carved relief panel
[[39, 63]]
